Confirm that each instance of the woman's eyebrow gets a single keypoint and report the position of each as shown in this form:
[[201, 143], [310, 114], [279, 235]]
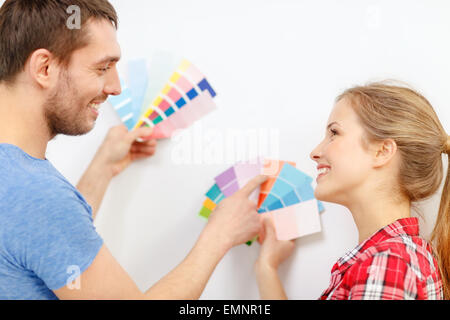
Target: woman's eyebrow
[[334, 122]]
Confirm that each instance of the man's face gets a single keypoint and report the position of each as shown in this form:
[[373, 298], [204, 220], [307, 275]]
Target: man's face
[[72, 106]]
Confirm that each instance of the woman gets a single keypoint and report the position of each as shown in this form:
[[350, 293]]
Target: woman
[[382, 152]]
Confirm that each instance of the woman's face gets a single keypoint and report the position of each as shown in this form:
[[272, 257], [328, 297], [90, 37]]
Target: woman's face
[[343, 163]]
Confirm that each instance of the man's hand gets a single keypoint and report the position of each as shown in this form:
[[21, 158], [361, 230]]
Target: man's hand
[[236, 220], [120, 147]]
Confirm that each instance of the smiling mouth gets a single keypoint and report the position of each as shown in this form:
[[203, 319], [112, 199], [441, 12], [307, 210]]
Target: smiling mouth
[[95, 106], [322, 172]]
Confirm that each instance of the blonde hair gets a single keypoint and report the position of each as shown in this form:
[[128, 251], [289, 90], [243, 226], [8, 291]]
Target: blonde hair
[[400, 113]]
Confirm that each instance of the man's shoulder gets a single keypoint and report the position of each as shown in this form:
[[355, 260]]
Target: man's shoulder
[[18, 183], [33, 190], [26, 175]]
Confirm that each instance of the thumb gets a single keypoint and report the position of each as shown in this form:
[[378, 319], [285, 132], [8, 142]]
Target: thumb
[[253, 184], [143, 133], [268, 229]]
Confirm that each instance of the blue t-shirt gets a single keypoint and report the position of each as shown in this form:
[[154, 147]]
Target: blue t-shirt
[[47, 235]]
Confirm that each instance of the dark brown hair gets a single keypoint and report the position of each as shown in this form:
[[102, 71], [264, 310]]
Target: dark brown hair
[[29, 25]]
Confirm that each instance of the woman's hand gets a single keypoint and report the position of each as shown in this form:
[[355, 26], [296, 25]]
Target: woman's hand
[[273, 252]]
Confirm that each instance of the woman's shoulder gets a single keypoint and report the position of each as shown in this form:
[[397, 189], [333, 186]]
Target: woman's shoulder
[[412, 251]]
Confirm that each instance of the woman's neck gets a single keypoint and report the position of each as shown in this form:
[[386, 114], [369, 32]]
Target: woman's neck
[[372, 214]]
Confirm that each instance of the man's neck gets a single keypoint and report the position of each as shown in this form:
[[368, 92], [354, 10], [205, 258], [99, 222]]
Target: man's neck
[[22, 123]]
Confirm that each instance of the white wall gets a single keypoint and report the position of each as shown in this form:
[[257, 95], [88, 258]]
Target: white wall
[[276, 65]]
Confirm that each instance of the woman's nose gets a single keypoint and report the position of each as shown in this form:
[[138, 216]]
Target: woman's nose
[[316, 153]]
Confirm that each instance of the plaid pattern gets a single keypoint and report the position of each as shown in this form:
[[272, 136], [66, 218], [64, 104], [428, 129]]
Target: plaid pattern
[[395, 263]]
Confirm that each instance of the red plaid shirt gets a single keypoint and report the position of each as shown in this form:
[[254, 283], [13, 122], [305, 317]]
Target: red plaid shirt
[[395, 263]]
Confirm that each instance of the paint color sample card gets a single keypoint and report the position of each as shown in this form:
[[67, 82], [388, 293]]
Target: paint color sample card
[[123, 104], [290, 187], [271, 168], [213, 197], [236, 177], [296, 221], [287, 195], [186, 97], [138, 83]]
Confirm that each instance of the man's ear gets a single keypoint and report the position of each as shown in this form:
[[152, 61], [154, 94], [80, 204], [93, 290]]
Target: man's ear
[[384, 152], [41, 68]]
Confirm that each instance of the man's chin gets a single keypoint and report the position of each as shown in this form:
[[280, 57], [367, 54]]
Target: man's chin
[[83, 131], [72, 130]]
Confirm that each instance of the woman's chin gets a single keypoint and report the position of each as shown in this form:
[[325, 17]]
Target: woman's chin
[[321, 194], [318, 195]]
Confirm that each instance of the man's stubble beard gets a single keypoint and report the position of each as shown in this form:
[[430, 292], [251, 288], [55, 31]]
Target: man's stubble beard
[[64, 114]]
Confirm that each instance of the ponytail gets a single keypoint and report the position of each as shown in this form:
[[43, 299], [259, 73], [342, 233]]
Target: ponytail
[[441, 232]]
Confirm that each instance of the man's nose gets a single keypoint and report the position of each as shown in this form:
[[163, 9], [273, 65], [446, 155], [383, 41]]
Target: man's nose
[[112, 85]]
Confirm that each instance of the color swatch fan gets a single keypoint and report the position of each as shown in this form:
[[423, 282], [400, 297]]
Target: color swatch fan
[[123, 104], [286, 196], [186, 97]]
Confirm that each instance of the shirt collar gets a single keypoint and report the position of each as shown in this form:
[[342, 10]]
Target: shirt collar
[[405, 226]]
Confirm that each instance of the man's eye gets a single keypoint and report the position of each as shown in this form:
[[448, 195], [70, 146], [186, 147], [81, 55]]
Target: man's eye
[[104, 69]]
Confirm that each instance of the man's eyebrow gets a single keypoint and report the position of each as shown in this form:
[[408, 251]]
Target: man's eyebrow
[[108, 59]]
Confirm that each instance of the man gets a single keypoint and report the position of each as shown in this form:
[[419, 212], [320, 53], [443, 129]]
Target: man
[[52, 81]]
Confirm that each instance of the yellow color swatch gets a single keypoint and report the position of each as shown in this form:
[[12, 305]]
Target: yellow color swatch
[[157, 101], [174, 78], [148, 112], [184, 65], [166, 89], [209, 204]]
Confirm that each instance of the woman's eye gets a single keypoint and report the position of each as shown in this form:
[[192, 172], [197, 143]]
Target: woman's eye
[[333, 132]]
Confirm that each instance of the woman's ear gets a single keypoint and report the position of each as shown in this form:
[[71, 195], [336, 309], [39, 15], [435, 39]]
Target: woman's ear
[[384, 152]]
